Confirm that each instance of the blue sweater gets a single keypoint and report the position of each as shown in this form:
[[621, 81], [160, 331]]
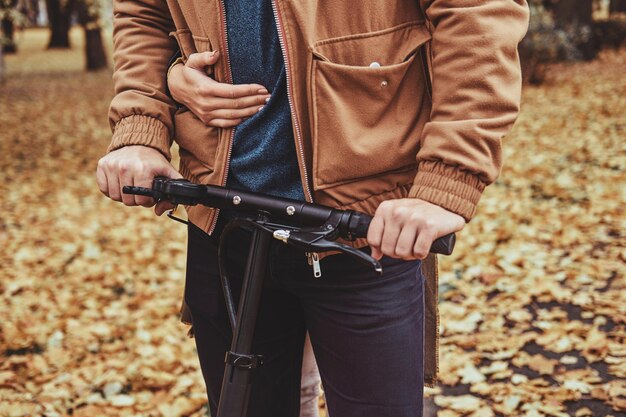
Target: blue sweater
[[264, 155]]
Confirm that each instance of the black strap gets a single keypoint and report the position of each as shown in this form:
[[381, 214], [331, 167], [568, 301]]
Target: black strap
[[242, 361]]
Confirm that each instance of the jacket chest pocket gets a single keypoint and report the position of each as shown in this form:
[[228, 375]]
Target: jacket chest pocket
[[369, 102]]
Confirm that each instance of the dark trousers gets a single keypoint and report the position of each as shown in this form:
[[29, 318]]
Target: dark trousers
[[366, 330]]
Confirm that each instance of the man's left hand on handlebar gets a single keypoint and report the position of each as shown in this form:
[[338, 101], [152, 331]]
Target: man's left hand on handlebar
[[406, 228], [133, 165]]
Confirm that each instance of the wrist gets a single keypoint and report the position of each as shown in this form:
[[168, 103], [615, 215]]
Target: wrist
[[449, 187], [173, 74]]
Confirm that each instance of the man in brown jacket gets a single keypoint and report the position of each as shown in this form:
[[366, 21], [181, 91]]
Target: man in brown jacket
[[396, 109]]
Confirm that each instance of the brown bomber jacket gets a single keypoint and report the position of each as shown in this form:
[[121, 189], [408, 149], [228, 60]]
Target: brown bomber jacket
[[363, 134]]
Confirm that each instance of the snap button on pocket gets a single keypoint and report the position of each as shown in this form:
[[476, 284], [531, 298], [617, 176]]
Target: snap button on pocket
[[375, 65], [384, 84]]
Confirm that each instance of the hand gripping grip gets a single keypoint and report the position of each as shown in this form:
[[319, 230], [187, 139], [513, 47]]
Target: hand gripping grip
[[360, 222]]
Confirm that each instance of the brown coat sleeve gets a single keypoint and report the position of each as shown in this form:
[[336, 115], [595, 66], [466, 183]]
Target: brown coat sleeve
[[476, 81], [141, 112]]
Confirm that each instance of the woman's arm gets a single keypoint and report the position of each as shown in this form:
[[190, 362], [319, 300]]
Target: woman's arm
[[216, 104]]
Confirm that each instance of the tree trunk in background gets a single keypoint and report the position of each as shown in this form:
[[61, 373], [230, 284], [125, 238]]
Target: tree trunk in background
[[573, 12], [94, 49], [617, 6], [95, 55], [7, 27], [8, 34], [575, 17], [1, 65], [31, 11], [59, 14]]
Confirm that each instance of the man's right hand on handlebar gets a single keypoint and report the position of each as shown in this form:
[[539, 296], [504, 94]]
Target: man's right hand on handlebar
[[134, 165]]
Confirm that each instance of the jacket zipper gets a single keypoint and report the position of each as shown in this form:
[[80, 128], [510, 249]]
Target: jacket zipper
[[281, 40], [229, 79], [313, 258], [294, 117]]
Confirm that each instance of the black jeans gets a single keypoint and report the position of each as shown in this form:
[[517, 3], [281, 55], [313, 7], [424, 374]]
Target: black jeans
[[366, 330]]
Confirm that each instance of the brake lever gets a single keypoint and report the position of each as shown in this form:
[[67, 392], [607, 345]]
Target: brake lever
[[317, 240]]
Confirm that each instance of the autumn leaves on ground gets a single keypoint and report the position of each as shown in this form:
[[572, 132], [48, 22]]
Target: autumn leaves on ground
[[533, 302]]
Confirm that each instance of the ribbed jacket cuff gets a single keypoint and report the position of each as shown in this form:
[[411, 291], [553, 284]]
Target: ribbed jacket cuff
[[142, 130], [448, 187]]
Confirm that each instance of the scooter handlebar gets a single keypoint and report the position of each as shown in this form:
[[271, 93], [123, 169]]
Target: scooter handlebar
[[351, 224]]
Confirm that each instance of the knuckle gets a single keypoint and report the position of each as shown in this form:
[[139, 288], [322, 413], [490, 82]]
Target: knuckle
[[387, 248], [194, 59], [398, 213], [106, 164], [429, 225], [383, 208], [206, 111], [403, 251], [151, 169], [139, 168], [123, 167], [373, 235], [416, 218], [205, 90]]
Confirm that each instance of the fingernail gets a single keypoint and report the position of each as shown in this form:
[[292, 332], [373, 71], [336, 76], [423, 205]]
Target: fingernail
[[267, 100], [260, 108]]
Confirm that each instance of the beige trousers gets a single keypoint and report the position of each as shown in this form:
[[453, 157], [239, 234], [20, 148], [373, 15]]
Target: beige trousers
[[310, 385]]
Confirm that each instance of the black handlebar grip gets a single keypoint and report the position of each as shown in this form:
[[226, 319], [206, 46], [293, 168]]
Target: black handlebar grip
[[444, 245], [360, 222], [128, 189]]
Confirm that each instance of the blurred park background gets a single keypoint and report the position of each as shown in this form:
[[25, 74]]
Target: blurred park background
[[533, 301]]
